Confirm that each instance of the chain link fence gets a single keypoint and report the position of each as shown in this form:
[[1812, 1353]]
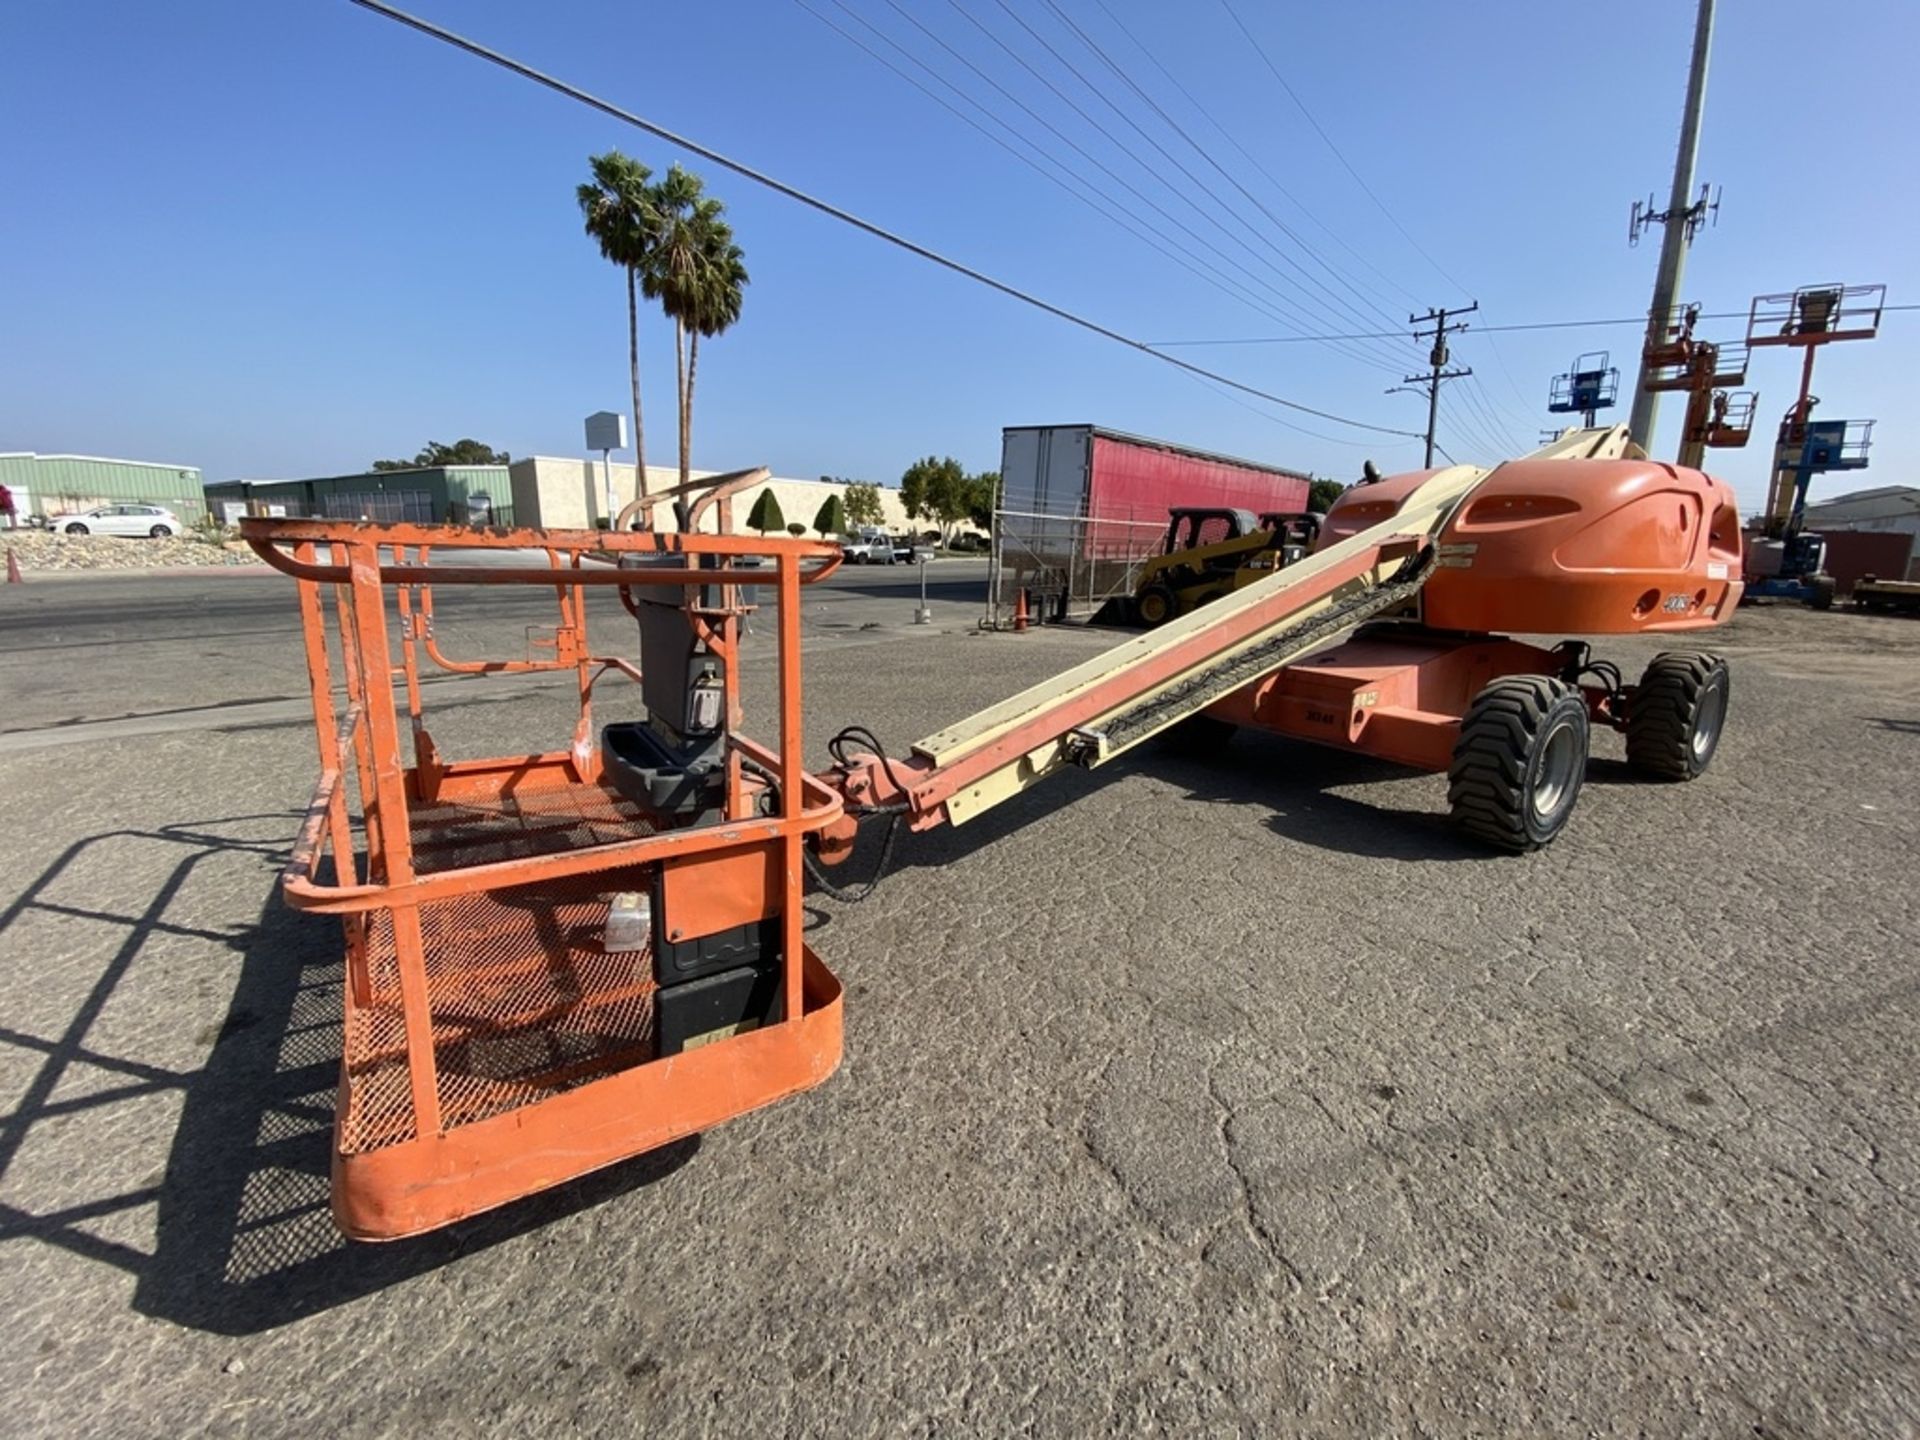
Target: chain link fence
[[1068, 566]]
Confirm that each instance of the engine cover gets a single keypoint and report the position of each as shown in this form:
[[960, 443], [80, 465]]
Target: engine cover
[[1573, 547]]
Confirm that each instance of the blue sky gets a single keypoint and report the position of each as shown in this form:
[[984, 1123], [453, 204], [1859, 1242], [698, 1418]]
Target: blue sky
[[277, 239]]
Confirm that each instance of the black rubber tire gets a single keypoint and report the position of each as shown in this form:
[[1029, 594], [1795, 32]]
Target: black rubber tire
[[159, 532], [1155, 605], [1519, 762], [75, 529], [1677, 714], [1822, 592]]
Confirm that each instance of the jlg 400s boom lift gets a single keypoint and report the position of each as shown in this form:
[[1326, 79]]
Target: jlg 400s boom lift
[[556, 961]]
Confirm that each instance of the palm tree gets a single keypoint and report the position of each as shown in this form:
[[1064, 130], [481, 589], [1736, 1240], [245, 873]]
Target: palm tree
[[622, 213], [713, 308], [698, 275]]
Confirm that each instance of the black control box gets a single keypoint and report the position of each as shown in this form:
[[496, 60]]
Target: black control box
[[697, 1012]]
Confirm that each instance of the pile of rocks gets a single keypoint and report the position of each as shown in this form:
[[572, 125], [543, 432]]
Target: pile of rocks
[[42, 550]]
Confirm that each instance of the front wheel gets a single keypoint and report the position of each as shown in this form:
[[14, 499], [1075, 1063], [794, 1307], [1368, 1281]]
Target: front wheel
[[1676, 713], [75, 530], [1154, 605], [1519, 762]]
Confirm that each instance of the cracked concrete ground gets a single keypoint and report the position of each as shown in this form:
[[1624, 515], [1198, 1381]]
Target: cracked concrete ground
[[1223, 1096]]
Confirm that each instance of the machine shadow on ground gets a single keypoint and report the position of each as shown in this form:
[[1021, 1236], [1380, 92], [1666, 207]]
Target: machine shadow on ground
[[1292, 780], [1296, 783], [243, 1237]]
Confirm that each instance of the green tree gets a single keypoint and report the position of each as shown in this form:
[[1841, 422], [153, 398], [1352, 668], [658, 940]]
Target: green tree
[[935, 489], [461, 452], [699, 277], [983, 498], [765, 514], [622, 214], [913, 489], [863, 505], [1322, 493], [831, 517]]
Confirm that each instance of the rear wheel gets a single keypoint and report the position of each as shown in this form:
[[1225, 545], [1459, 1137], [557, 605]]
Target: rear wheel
[[1676, 713], [160, 532], [1154, 606], [1822, 592], [1519, 762]]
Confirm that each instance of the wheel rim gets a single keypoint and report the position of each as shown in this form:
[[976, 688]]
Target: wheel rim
[[1553, 781], [1153, 609], [1707, 722]]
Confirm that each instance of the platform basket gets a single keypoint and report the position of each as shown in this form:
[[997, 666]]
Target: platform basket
[[492, 1044]]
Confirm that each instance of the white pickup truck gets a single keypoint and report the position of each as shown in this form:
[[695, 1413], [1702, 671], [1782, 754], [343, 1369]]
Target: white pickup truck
[[868, 548]]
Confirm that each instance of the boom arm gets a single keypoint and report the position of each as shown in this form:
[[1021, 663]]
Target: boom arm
[[1107, 705]]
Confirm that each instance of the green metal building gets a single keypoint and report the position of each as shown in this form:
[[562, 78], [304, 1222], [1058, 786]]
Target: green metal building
[[60, 484], [429, 495]]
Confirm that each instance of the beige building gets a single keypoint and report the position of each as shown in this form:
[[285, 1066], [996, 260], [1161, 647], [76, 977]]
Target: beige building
[[567, 494]]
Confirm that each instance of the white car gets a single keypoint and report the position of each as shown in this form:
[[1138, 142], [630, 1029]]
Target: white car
[[154, 520], [867, 549]]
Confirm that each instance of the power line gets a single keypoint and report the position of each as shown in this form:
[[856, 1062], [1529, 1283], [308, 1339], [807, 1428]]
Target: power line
[[1100, 53], [1501, 360], [1172, 159], [1147, 234], [1252, 159], [1146, 168], [1635, 320], [1219, 279], [1270, 417], [1474, 391], [846, 217], [1300, 105], [1499, 423], [1473, 418]]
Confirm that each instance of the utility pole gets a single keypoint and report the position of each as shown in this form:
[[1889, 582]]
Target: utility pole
[[1680, 219], [1429, 383]]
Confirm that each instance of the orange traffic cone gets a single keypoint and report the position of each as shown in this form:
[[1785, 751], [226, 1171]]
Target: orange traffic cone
[[1019, 605], [14, 577]]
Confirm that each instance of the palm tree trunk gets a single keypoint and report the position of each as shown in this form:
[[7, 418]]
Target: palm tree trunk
[[680, 363], [686, 401], [633, 366]]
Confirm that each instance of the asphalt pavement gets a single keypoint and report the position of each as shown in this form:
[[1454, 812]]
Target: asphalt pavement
[[1219, 1095]]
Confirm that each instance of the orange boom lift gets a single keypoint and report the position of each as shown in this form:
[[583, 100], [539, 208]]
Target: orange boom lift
[[556, 961]]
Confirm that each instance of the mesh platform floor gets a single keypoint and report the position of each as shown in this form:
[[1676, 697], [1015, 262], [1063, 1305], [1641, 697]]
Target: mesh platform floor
[[524, 1001], [480, 830]]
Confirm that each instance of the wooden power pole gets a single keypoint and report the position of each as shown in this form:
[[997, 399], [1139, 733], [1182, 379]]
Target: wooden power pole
[[1436, 362]]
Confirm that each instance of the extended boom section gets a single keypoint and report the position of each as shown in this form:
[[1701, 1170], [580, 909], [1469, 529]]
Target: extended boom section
[[1099, 709]]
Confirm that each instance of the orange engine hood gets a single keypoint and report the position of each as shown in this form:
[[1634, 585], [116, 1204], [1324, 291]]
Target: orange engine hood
[[1582, 547]]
